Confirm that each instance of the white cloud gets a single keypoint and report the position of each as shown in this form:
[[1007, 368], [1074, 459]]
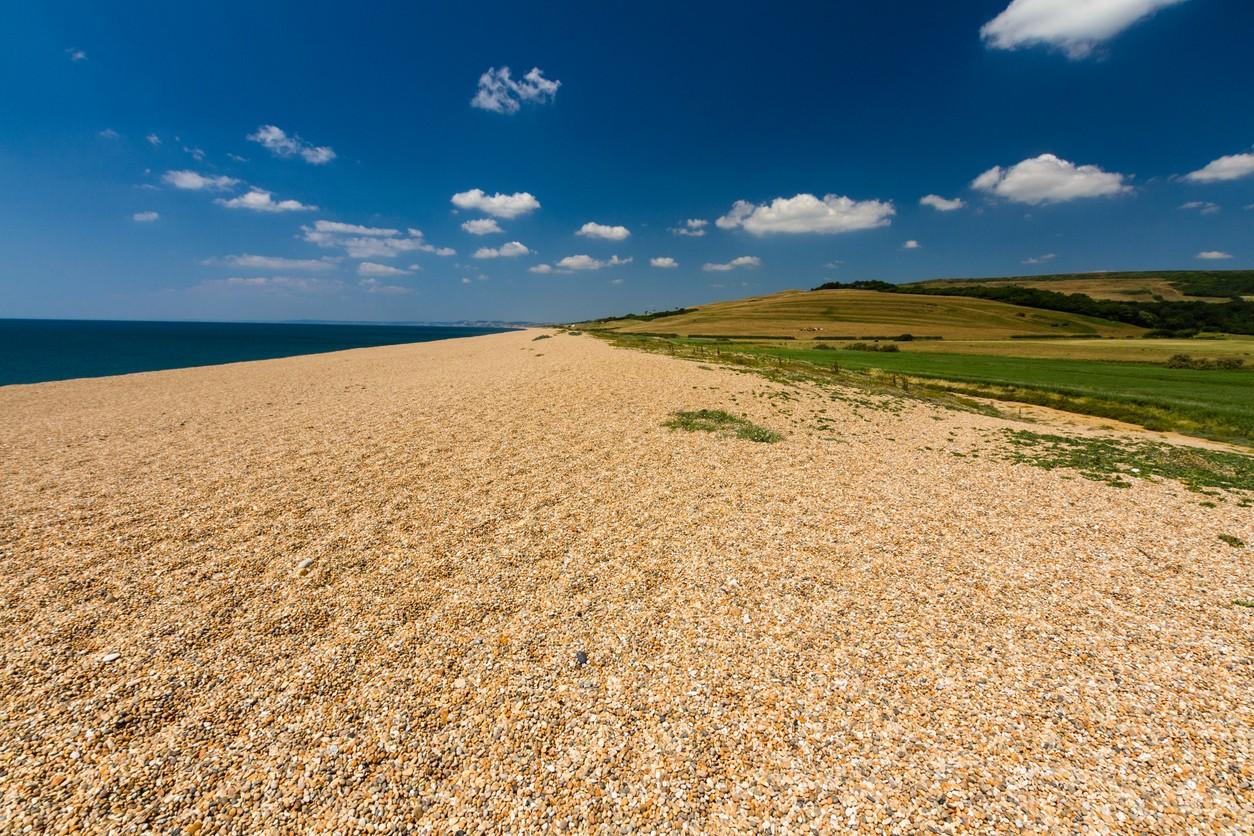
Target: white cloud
[[1040, 259], [260, 200], [587, 262], [510, 250], [372, 285], [153, 140], [279, 143], [806, 213], [500, 93], [609, 233], [911, 245], [500, 205], [1231, 167], [743, 261], [144, 217], [616, 281], [1203, 206], [482, 226], [109, 133], [1049, 179], [942, 204], [1213, 255], [541, 268], [693, 228], [1075, 26], [370, 268], [365, 242], [275, 284], [194, 181], [665, 262], [277, 263], [197, 154], [76, 55]]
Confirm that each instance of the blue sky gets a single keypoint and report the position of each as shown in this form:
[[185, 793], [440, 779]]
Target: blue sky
[[163, 160]]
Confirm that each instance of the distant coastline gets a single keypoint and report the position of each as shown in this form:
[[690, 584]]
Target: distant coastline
[[42, 350]]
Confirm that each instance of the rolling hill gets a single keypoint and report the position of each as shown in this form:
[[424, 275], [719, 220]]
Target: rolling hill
[[1165, 285], [865, 314]]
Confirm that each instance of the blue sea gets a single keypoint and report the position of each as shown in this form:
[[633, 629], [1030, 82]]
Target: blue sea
[[35, 350]]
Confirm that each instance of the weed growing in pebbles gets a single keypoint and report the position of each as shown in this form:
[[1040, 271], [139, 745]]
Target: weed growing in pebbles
[[723, 423]]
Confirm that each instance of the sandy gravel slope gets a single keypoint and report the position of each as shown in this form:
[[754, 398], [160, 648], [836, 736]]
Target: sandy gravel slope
[[348, 592]]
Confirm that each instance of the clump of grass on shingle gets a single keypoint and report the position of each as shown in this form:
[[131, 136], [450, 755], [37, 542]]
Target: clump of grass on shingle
[[723, 423], [541, 337], [1242, 602], [1235, 542]]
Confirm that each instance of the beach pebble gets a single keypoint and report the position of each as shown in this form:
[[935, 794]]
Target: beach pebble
[[110, 657]]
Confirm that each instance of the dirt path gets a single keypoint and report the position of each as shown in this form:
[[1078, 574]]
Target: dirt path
[[353, 590]]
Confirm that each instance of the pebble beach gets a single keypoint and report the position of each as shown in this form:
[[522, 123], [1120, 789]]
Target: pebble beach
[[476, 586]]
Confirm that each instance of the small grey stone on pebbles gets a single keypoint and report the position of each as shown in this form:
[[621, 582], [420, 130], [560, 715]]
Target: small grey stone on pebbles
[[581, 658], [110, 657]]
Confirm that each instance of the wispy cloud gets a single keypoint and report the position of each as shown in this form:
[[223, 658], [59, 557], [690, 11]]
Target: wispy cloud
[[109, 133], [1074, 26], [745, 261], [500, 93], [76, 55], [510, 250], [1049, 179], [942, 204], [370, 268], [365, 242], [260, 200], [587, 262], [145, 217], [1040, 259], [281, 144], [911, 245], [153, 140], [1214, 255], [665, 262], [373, 285], [267, 263], [540, 268], [1205, 207], [692, 228], [499, 205], [805, 213], [194, 181]]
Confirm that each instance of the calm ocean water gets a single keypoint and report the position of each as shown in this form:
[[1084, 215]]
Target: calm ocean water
[[35, 350]]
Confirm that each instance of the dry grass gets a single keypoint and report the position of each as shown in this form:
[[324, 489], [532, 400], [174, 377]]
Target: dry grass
[[459, 586], [865, 313]]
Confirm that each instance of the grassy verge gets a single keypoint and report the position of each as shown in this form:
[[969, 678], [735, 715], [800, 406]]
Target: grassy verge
[[722, 423], [1207, 403], [1118, 462]]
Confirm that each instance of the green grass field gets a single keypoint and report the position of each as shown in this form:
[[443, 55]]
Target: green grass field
[[1215, 404]]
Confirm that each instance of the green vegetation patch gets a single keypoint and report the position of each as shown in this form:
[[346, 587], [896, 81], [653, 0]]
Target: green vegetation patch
[[722, 423], [541, 337], [1116, 462], [1235, 542]]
